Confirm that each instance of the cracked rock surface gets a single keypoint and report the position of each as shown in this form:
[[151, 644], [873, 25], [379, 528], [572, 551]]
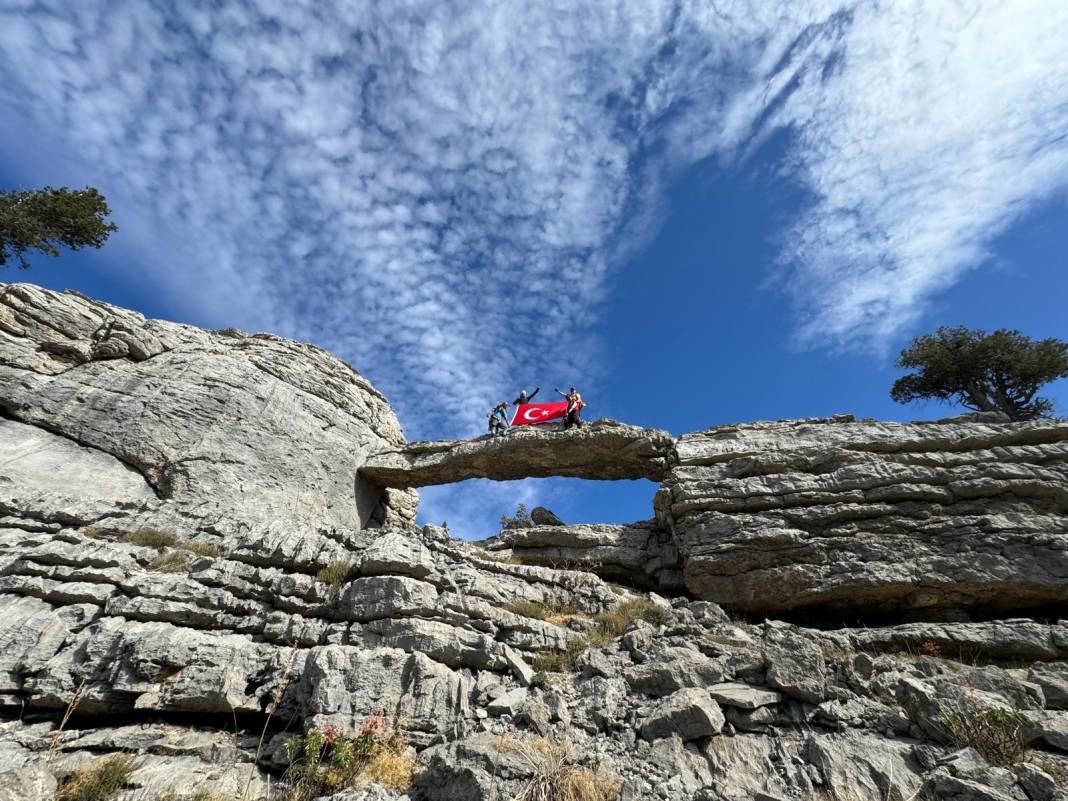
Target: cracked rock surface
[[186, 547]]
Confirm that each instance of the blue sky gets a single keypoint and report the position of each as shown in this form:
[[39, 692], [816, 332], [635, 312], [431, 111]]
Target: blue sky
[[698, 213]]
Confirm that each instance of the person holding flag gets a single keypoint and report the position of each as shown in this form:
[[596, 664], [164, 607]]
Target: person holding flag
[[574, 406], [524, 397]]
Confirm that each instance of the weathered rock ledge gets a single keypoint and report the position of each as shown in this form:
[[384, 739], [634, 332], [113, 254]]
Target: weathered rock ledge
[[602, 450]]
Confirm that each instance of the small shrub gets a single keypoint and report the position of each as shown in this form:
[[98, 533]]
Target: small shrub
[[150, 538], [555, 611], [520, 520], [200, 548], [539, 679], [335, 574], [997, 734], [100, 779], [928, 648], [170, 562], [327, 761], [613, 623], [556, 780], [560, 661]]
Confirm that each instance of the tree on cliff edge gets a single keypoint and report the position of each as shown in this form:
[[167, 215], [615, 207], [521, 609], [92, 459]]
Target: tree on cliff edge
[[46, 219], [998, 372]]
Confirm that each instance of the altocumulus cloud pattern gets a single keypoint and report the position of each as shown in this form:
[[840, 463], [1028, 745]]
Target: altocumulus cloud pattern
[[423, 186]]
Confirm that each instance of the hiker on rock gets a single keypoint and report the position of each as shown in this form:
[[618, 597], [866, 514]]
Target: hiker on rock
[[498, 418], [575, 406], [524, 397]]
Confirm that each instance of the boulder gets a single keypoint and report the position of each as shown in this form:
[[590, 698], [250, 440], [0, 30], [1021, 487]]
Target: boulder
[[540, 516], [689, 714]]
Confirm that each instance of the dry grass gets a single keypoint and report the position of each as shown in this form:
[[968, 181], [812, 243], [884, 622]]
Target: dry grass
[[554, 778], [559, 661], [150, 538], [335, 575], [557, 611], [391, 766], [200, 548], [100, 779], [170, 562], [74, 701], [276, 698], [200, 794], [997, 734]]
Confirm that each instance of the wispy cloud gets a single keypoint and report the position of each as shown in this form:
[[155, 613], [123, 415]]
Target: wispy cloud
[[427, 188]]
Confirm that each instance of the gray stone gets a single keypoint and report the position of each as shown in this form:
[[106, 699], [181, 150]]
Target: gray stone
[[540, 516], [689, 714], [509, 703], [1038, 784], [743, 696], [1052, 677]]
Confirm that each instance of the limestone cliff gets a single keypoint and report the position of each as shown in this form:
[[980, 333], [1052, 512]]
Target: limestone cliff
[[208, 536]]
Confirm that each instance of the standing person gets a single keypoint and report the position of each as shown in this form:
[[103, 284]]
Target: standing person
[[524, 397], [498, 418], [575, 405]]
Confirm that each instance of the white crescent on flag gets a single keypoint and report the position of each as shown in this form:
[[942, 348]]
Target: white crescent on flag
[[534, 413]]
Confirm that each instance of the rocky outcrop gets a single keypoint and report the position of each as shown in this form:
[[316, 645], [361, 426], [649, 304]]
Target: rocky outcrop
[[602, 450], [190, 562], [774, 518], [223, 426], [640, 555]]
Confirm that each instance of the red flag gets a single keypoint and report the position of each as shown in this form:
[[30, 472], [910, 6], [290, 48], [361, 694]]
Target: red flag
[[531, 413]]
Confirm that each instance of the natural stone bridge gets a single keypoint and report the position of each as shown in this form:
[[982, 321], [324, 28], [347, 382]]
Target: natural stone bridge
[[602, 450]]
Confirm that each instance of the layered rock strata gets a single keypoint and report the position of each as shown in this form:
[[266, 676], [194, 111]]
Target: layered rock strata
[[190, 564], [772, 518], [222, 425]]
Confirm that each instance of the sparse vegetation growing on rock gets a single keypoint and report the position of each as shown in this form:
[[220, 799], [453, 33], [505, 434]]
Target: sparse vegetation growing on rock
[[555, 779], [335, 574], [99, 779], [521, 518], [997, 734], [326, 761], [150, 538], [556, 610], [170, 562]]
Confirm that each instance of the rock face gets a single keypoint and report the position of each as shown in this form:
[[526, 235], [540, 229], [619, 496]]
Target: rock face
[[191, 563], [223, 426], [772, 518], [603, 450]]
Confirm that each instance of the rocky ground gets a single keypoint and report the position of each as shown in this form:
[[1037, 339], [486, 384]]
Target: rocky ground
[[207, 548]]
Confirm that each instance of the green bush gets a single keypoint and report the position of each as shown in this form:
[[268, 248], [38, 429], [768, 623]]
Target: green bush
[[100, 779], [326, 761], [520, 520]]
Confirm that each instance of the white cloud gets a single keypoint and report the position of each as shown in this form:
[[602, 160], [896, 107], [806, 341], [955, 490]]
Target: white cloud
[[428, 187]]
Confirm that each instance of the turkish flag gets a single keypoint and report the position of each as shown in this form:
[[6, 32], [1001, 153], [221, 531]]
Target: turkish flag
[[530, 413]]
